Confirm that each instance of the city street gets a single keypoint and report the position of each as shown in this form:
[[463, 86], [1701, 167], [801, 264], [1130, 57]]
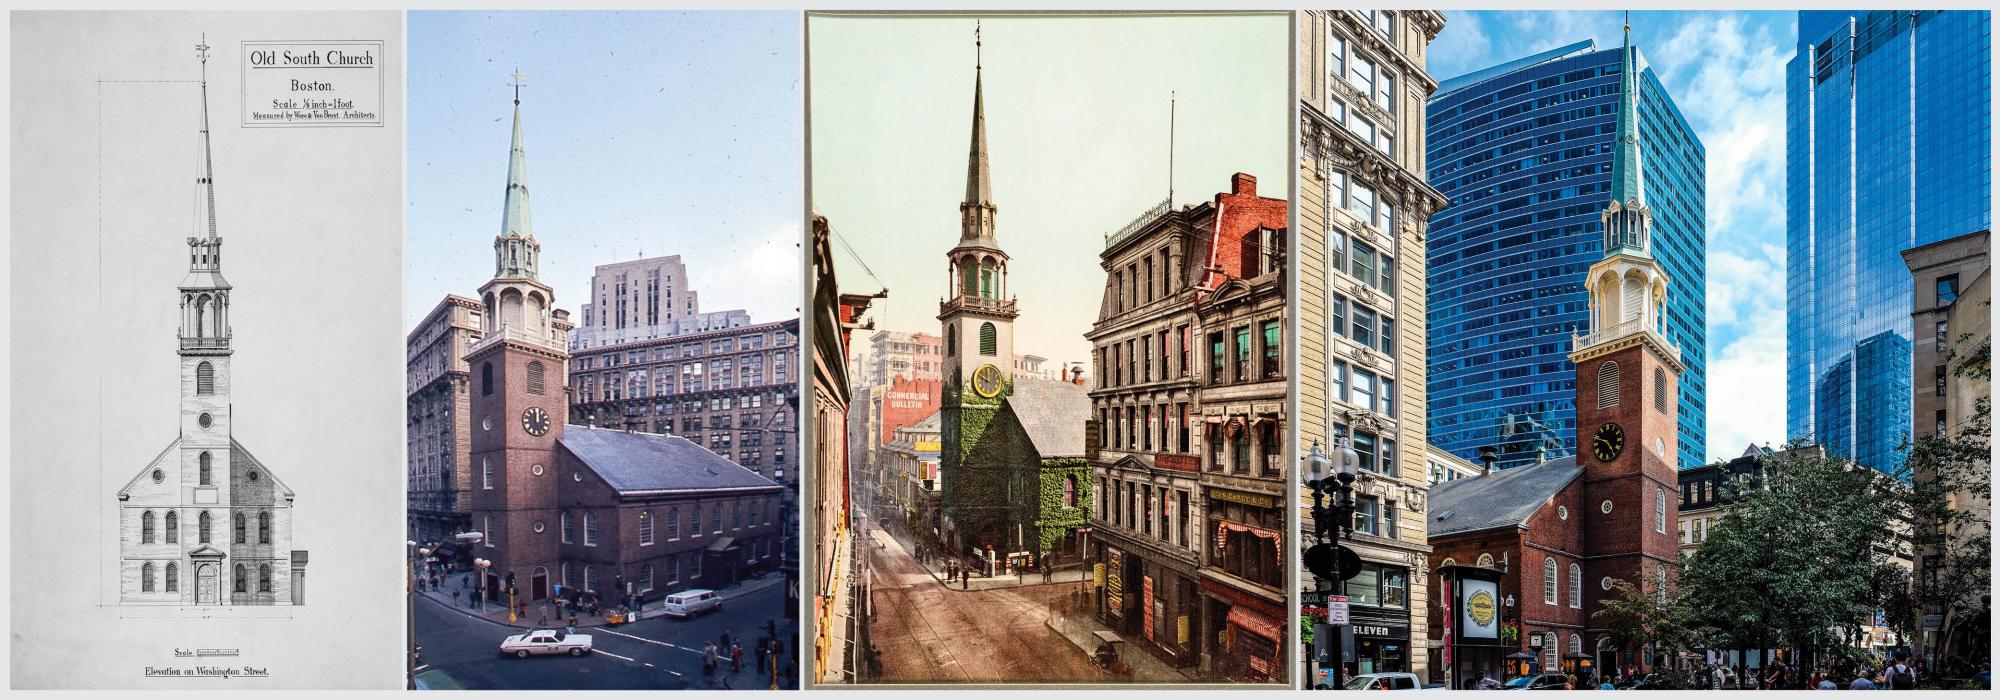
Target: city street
[[928, 634], [655, 653]]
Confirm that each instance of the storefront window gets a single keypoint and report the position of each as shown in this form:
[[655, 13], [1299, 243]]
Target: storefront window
[[1365, 587]]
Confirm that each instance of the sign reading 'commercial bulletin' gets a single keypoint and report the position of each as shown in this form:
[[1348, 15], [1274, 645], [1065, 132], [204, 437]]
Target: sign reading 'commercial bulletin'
[[312, 83]]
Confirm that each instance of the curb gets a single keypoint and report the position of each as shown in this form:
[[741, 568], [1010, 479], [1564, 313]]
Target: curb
[[742, 589]]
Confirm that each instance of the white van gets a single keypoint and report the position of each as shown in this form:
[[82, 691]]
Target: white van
[[690, 603]]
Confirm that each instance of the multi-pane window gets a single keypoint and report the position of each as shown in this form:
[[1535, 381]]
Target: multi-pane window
[[645, 528], [146, 527], [1363, 330], [1549, 580], [1273, 337], [1336, 62], [1242, 353], [1336, 377], [1364, 447], [1363, 390], [1368, 515], [1575, 586], [1363, 267], [1337, 314], [1215, 357], [589, 529], [568, 529], [673, 523]]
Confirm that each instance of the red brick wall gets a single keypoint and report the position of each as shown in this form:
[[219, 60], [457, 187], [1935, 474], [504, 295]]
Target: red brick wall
[[1242, 212], [1625, 544], [900, 410]]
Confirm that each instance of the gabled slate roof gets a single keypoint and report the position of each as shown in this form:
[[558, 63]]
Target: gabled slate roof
[[1052, 413], [1506, 498], [645, 462]]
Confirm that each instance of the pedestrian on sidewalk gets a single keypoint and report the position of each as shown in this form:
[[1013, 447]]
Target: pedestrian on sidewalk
[[1048, 571], [543, 619], [454, 597], [763, 650], [572, 623], [708, 659], [965, 579], [735, 658]]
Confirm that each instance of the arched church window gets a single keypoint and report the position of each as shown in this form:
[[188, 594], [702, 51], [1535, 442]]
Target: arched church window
[[207, 469], [242, 580], [1659, 390], [238, 537], [173, 527], [204, 379], [264, 527], [203, 527], [989, 340], [1607, 384], [486, 379], [173, 577], [535, 378], [146, 527], [146, 577]]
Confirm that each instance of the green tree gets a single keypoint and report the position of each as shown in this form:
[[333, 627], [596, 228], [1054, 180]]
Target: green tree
[[1949, 501], [1636, 617]]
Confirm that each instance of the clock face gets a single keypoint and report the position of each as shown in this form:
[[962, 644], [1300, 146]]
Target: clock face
[[986, 381], [535, 421], [1608, 442]]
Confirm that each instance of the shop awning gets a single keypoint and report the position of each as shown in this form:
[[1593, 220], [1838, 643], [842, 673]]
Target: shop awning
[[1255, 623], [722, 544]]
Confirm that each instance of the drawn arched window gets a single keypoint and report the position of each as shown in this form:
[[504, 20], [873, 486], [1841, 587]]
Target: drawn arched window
[[207, 469], [242, 580], [264, 578], [1659, 390], [989, 340], [568, 531], [201, 316], [1575, 594], [173, 527], [1549, 592], [1607, 385], [204, 379], [535, 378], [146, 577], [486, 379], [238, 537], [173, 577], [146, 527], [264, 527], [203, 527], [1069, 491]]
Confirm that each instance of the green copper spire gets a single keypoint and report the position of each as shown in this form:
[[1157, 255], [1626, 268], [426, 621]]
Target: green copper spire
[[1627, 181], [515, 251]]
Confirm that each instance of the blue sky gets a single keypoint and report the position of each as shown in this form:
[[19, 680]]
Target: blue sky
[[1726, 72], [657, 131]]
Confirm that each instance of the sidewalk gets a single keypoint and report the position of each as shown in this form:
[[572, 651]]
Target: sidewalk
[[497, 612], [1068, 574], [1081, 630]]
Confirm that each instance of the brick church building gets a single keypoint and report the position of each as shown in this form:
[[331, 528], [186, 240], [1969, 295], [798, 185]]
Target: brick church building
[[1557, 536], [620, 514]]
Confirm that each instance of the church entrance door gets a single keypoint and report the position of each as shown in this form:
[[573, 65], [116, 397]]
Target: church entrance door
[[539, 587], [204, 585]]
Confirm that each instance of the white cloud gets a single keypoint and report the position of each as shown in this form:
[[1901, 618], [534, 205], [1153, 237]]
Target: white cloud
[[1745, 290], [1746, 392], [1728, 80], [762, 272]]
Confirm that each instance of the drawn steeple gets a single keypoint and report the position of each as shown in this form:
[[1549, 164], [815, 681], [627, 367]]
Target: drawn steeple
[[204, 328]]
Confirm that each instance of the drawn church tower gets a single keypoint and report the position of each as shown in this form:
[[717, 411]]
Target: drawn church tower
[[206, 524]]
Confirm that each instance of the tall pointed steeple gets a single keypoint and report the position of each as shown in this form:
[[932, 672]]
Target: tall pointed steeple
[[515, 250], [1627, 175], [977, 212], [204, 293]]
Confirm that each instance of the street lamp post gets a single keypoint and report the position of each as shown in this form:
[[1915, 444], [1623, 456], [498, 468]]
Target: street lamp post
[[1331, 522], [410, 616], [479, 590]]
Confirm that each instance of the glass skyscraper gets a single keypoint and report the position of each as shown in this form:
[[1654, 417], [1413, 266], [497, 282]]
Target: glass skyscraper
[[1887, 147], [1523, 150]]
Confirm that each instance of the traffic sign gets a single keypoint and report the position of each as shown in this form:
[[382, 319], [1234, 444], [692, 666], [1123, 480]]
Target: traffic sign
[[1336, 610]]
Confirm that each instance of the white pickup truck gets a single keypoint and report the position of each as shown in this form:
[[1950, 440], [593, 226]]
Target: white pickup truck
[[1385, 681], [545, 642]]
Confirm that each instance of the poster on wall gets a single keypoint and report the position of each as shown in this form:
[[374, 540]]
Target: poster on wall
[[1479, 610]]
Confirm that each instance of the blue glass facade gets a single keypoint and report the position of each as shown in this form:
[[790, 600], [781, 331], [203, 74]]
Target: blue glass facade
[[1523, 151], [1887, 147]]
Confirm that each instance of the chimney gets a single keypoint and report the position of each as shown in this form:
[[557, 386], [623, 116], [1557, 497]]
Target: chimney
[[1065, 374], [1487, 456], [1243, 184], [1076, 375]]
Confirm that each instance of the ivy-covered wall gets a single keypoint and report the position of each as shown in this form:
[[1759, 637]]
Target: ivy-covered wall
[[1054, 521]]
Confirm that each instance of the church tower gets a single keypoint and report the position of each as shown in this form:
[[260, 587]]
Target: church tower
[[518, 402], [1626, 375], [204, 336], [977, 313]]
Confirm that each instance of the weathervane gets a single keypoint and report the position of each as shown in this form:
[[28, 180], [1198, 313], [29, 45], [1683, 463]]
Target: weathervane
[[518, 80], [201, 52], [977, 58]]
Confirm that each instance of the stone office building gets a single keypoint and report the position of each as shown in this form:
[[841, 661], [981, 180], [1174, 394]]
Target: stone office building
[[646, 299], [439, 431], [1363, 214], [731, 390]]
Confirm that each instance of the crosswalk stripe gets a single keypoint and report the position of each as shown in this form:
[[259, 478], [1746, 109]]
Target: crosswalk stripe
[[650, 641]]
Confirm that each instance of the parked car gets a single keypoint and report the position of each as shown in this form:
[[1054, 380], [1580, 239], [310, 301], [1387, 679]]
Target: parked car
[[542, 642], [690, 603], [1384, 681], [1546, 681]]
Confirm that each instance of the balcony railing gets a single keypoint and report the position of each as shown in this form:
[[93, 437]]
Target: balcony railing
[[1629, 326], [517, 335], [1006, 306], [204, 343]]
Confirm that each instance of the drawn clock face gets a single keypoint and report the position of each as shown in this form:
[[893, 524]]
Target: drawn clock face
[[535, 421], [1608, 442], [986, 381]]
